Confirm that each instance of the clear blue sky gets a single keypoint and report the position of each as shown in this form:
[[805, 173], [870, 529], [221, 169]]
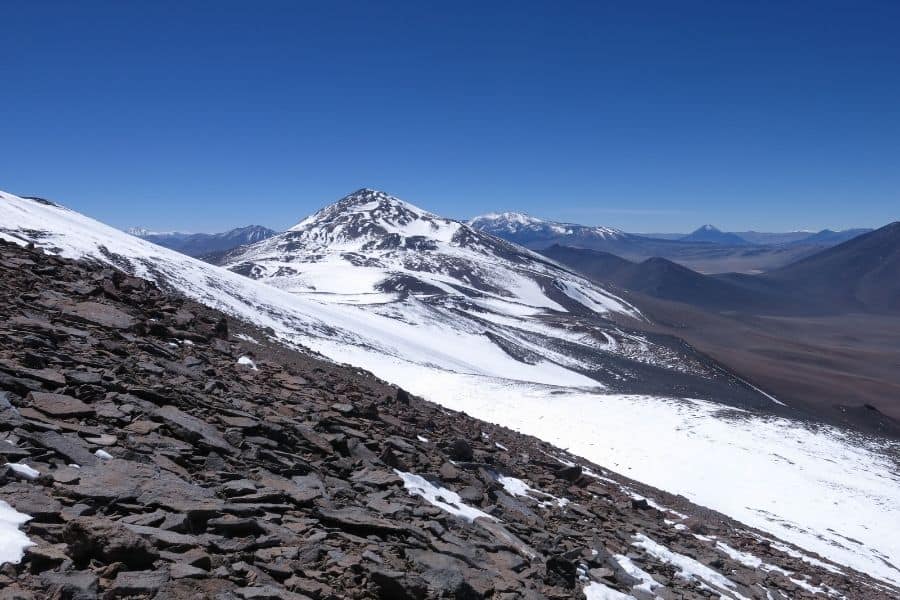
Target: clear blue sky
[[650, 116]]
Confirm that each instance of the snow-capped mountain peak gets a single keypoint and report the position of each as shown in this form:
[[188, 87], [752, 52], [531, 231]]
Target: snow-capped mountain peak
[[369, 214], [523, 228], [385, 245], [510, 221]]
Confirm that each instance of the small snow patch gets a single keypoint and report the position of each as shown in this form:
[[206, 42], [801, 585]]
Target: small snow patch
[[747, 559], [24, 471], [517, 487], [103, 454], [441, 497], [677, 526], [688, 568], [248, 362], [647, 583], [422, 439]]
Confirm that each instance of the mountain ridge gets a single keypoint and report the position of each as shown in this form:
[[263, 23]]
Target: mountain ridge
[[761, 253]]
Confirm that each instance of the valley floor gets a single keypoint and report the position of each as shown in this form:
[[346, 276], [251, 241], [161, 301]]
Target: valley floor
[[827, 366]]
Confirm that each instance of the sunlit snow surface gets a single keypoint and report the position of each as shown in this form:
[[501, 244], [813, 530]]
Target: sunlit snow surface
[[820, 489], [598, 591], [13, 541]]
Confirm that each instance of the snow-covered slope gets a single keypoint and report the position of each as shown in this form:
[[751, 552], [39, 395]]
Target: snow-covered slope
[[814, 487]]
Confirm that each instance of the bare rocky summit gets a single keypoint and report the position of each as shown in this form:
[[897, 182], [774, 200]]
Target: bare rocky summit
[[179, 454]]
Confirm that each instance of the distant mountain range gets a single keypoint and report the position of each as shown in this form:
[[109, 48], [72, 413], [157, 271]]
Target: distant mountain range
[[860, 275], [816, 333], [706, 250], [200, 244], [768, 238]]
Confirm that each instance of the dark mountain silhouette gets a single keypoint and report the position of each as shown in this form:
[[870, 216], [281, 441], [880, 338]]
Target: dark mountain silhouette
[[827, 237], [862, 274], [821, 333], [662, 278], [712, 235]]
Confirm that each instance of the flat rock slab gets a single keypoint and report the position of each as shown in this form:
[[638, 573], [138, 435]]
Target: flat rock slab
[[302, 492], [10, 453], [148, 484], [241, 422], [268, 592], [76, 584], [31, 500], [194, 428], [47, 553], [292, 382], [67, 475], [377, 478], [70, 448], [182, 571], [97, 537], [164, 537], [359, 520], [46, 376], [59, 405], [234, 526], [131, 583], [83, 377], [100, 314]]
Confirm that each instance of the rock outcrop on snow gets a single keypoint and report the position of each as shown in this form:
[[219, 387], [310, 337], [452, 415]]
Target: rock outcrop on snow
[[154, 462]]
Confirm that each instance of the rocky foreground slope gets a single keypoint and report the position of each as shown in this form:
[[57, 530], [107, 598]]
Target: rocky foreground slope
[[163, 451]]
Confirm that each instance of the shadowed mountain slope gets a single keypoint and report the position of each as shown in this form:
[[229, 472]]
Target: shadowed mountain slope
[[662, 278], [861, 274]]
